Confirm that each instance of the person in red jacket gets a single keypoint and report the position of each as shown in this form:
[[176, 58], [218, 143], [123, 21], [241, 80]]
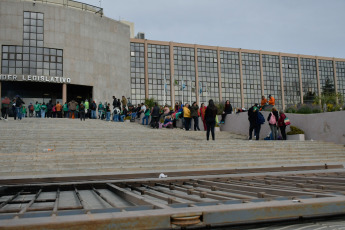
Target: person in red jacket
[[281, 124]]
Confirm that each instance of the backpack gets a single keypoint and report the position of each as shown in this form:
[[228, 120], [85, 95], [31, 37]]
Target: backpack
[[261, 119], [273, 120]]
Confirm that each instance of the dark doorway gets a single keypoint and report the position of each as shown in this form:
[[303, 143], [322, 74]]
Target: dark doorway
[[78, 93], [32, 91]]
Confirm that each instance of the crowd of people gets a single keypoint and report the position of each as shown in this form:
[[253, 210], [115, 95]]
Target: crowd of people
[[275, 120], [161, 116]]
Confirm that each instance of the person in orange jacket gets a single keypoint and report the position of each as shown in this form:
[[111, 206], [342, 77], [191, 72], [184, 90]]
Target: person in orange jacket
[[271, 100]]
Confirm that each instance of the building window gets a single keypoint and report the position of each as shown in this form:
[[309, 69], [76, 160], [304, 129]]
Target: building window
[[32, 58], [271, 77], [208, 75], [309, 79], [184, 71], [292, 93], [326, 75], [137, 73], [231, 80], [159, 73], [251, 79], [341, 77]]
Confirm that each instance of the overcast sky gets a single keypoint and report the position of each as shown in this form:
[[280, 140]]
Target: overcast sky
[[311, 27]]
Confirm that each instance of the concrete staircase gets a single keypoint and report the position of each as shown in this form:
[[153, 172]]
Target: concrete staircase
[[96, 146]]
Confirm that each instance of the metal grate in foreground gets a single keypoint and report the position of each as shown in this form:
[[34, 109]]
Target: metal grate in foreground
[[173, 202]]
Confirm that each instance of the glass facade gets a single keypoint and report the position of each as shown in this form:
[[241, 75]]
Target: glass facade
[[184, 68], [32, 58], [251, 79], [292, 92], [271, 77], [309, 78], [208, 75], [341, 77], [231, 79], [326, 74], [159, 73], [137, 73], [185, 61]]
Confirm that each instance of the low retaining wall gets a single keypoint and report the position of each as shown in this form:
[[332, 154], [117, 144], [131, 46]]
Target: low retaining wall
[[320, 126]]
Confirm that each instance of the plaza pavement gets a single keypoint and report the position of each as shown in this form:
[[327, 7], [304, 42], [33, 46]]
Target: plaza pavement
[[99, 147]]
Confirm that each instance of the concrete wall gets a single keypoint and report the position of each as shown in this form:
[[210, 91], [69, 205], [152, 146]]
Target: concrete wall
[[323, 126], [95, 48]]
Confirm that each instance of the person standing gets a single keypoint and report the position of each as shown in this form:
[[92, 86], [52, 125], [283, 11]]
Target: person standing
[[54, 111], [43, 110], [23, 111], [281, 124], [5, 106], [272, 121], [93, 110], [65, 110], [72, 105], [114, 102], [210, 118], [124, 101], [187, 117], [19, 104], [100, 110], [37, 108], [31, 110], [146, 117], [155, 116], [108, 112], [87, 106], [49, 109], [14, 110], [227, 110], [202, 113], [58, 109], [195, 115], [253, 119], [82, 111]]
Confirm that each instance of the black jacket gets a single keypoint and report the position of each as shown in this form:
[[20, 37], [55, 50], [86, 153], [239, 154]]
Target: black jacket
[[210, 114], [228, 109], [19, 102], [252, 116], [155, 111]]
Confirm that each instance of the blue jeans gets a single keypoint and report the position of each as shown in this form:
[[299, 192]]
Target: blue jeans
[[93, 114], [116, 117], [108, 116], [146, 117], [43, 113], [133, 115], [19, 113], [122, 117]]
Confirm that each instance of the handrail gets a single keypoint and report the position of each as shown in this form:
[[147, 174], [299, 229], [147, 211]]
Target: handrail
[[72, 4]]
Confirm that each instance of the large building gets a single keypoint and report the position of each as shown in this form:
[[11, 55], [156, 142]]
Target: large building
[[63, 50], [219, 73]]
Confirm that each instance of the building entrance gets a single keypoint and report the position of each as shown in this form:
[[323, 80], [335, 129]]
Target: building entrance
[[44, 92]]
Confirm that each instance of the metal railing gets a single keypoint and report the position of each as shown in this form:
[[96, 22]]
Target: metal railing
[[72, 4]]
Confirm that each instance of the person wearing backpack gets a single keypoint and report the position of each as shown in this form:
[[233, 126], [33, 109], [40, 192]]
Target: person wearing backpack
[[272, 121]]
